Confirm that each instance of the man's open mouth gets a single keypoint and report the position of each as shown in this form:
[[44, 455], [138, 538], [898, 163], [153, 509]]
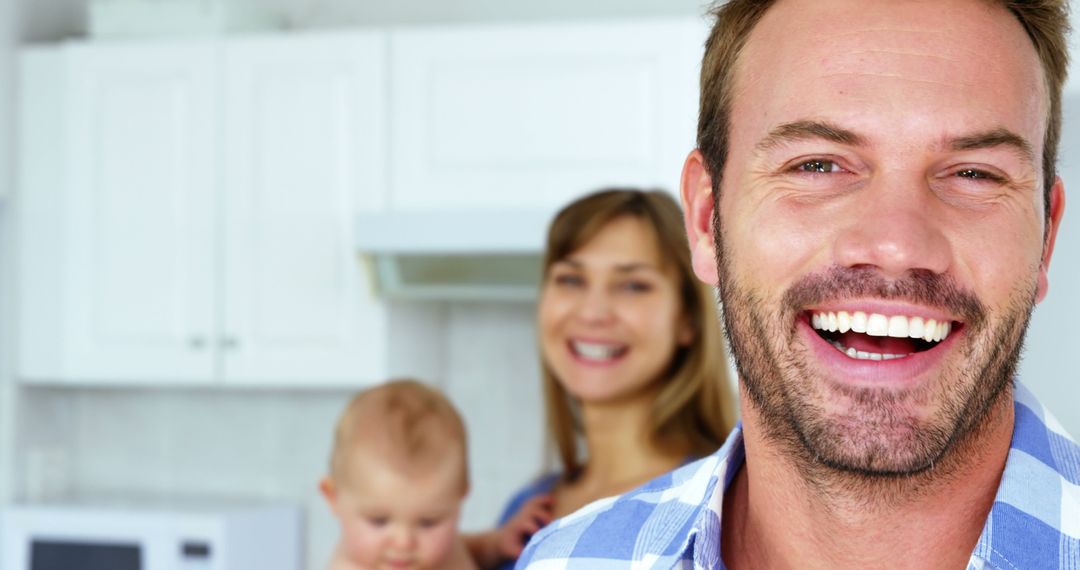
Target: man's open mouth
[[875, 336]]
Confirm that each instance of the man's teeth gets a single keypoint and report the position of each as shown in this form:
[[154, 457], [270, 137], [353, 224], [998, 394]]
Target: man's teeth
[[860, 355], [594, 351], [875, 324]]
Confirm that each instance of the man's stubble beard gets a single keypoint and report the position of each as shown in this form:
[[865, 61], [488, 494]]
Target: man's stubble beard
[[876, 445]]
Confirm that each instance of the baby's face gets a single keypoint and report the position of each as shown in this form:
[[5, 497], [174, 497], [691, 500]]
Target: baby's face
[[393, 520]]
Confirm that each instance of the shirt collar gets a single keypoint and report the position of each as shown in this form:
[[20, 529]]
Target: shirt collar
[[1020, 486], [705, 535]]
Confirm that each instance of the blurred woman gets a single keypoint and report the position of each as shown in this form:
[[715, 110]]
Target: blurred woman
[[634, 369]]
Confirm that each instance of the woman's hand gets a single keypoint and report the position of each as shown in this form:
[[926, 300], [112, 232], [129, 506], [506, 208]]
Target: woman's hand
[[531, 517], [494, 547]]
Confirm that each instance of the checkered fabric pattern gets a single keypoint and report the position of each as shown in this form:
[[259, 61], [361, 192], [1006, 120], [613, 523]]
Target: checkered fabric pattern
[[674, 521]]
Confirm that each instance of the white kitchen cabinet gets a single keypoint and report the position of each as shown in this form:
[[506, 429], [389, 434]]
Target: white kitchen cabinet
[[528, 117], [193, 219], [188, 212], [305, 128], [117, 239]]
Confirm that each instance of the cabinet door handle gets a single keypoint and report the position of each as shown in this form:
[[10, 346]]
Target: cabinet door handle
[[197, 343], [230, 343]]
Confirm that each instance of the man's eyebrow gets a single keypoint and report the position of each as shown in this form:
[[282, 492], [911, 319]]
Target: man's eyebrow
[[995, 138], [806, 130]]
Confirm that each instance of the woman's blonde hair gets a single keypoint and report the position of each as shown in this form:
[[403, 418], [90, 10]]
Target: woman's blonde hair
[[694, 409]]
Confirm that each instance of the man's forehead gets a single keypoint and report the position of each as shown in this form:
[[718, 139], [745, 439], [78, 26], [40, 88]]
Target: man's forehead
[[851, 56], [876, 35]]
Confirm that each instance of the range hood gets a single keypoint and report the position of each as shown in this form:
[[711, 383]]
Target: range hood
[[454, 255]]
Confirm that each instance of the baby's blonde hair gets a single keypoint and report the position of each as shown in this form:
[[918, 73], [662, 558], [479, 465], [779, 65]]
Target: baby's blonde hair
[[404, 422]]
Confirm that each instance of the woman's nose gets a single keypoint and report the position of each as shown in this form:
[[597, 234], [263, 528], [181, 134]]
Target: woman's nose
[[595, 306]]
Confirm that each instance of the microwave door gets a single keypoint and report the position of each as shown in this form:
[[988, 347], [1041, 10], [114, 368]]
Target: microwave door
[[41, 538], [65, 555]]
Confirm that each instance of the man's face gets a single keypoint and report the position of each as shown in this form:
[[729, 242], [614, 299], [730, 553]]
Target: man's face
[[882, 183]]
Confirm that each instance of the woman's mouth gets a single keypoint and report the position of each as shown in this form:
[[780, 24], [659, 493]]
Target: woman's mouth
[[875, 336], [598, 352]]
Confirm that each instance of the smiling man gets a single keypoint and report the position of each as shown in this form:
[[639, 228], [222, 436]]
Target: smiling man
[[874, 194]]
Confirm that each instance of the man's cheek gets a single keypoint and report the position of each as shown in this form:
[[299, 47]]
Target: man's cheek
[[778, 239]]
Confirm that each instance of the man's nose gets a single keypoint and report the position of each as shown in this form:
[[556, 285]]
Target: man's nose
[[897, 228]]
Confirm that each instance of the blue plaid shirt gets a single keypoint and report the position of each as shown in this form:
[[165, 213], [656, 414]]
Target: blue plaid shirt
[[674, 521]]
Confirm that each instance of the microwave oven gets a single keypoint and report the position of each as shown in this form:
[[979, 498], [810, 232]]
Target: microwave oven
[[111, 538]]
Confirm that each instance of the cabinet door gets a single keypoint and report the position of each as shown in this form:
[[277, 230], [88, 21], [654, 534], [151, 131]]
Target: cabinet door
[[304, 125], [140, 230], [531, 116]]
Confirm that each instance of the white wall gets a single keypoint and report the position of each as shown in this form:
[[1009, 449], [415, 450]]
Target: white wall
[[8, 41], [8, 32], [8, 393], [494, 377]]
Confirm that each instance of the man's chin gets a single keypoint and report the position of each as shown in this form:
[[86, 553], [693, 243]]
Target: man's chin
[[874, 432], [872, 447]]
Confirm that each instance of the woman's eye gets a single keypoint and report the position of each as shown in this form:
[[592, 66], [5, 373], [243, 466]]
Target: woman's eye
[[568, 280], [818, 166], [636, 286]]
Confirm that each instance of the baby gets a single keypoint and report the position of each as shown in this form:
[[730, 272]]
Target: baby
[[398, 475]]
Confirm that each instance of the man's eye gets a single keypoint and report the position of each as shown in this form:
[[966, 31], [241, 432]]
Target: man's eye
[[818, 166], [974, 174]]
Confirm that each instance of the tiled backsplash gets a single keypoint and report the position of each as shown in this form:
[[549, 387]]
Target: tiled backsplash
[[273, 445]]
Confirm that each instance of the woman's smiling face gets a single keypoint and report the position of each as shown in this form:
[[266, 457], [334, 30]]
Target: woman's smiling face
[[610, 314]]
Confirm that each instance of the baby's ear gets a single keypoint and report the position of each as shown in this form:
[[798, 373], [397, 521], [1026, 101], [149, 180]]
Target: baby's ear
[[329, 492]]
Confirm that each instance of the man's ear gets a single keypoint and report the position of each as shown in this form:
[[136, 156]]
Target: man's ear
[[329, 492], [1057, 208], [697, 202]]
